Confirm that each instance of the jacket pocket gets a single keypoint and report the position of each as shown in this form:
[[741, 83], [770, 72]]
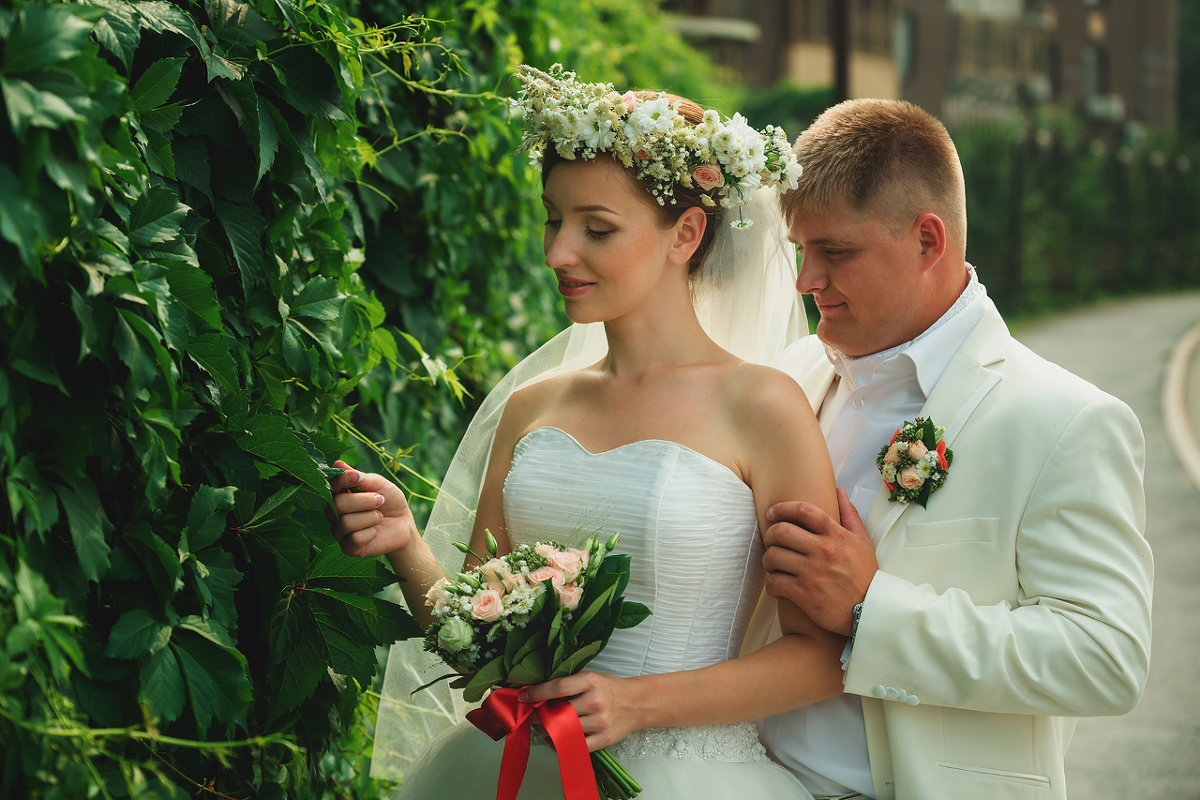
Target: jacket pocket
[[950, 531], [1022, 778]]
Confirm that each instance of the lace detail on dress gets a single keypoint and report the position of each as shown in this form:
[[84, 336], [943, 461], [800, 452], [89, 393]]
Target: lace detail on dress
[[736, 742]]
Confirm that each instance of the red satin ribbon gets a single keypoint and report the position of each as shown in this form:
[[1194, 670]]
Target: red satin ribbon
[[503, 715]]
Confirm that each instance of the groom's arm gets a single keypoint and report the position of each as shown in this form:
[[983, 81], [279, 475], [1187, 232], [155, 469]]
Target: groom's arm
[[1075, 640]]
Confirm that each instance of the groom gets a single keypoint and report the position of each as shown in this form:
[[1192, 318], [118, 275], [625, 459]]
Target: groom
[[1018, 598]]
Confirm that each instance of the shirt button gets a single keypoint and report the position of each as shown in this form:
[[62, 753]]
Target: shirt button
[[858, 403]]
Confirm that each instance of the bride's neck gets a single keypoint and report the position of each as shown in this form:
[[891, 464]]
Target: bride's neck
[[643, 343]]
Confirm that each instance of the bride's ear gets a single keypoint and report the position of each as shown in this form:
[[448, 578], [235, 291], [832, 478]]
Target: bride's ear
[[688, 231]]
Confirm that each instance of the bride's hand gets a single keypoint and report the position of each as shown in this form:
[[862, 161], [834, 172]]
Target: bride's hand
[[603, 702], [375, 519]]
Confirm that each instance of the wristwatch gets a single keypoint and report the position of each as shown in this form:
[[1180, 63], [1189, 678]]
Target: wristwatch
[[855, 615]]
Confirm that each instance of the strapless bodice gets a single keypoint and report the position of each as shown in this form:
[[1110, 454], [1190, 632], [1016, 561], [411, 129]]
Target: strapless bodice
[[688, 521]]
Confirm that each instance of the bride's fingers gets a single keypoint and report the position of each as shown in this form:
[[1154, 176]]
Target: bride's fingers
[[350, 524], [350, 502], [359, 542]]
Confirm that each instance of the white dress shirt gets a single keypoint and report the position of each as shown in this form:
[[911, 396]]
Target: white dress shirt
[[825, 744]]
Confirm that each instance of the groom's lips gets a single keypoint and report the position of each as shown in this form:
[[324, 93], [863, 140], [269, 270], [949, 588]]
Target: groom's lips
[[570, 287], [825, 307]]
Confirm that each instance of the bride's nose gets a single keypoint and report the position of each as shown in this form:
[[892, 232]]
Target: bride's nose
[[560, 250]]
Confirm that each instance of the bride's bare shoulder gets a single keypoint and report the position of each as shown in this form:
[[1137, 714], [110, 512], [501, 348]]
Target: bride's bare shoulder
[[760, 392]]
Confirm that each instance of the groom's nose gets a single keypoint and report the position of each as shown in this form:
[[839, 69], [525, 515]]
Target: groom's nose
[[811, 278]]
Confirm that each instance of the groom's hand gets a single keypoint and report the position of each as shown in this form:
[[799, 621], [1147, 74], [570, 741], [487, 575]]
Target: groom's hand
[[823, 567]]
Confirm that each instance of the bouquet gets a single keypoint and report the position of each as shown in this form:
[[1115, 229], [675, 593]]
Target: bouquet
[[541, 612]]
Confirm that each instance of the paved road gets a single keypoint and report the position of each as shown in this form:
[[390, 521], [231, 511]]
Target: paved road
[[1124, 347]]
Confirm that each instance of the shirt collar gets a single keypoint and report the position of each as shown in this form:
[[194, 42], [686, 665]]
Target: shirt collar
[[930, 352]]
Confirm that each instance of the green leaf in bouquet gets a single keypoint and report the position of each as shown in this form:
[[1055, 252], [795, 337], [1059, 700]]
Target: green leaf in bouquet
[[616, 564], [576, 661], [598, 608], [516, 648], [530, 669], [556, 627], [631, 614], [490, 674]]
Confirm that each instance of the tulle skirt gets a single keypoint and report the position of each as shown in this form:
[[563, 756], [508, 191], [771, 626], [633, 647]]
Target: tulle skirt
[[711, 762]]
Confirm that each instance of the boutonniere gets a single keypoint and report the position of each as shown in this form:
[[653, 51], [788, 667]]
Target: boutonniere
[[915, 462]]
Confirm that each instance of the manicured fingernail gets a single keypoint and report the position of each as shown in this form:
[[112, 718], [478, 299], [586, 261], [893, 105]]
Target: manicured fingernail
[[771, 514], [523, 697], [353, 477], [378, 500]]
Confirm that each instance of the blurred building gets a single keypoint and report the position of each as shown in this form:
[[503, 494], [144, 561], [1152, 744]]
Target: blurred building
[[1113, 61]]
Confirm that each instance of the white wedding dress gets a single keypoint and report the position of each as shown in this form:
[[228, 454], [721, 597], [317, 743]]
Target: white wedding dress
[[690, 525]]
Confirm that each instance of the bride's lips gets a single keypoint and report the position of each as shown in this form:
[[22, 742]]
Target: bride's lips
[[571, 287]]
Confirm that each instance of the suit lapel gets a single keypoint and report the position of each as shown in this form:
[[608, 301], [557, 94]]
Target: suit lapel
[[966, 381]]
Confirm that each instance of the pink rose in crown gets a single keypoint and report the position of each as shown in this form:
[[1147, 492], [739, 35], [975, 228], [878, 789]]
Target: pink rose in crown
[[708, 176]]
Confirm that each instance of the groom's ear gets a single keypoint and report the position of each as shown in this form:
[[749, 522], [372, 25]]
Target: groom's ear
[[931, 234], [689, 231]]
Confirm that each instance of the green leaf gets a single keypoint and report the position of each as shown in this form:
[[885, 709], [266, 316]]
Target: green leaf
[[43, 374], [88, 523], [118, 32], [158, 558], [244, 226], [632, 614], [263, 512], [319, 299], [287, 549], [137, 633], [348, 654], [161, 685], [333, 569], [44, 35], [383, 620], [19, 224], [216, 677], [29, 105], [156, 217], [192, 287], [303, 665], [268, 139], [211, 352], [207, 515], [156, 84], [268, 437], [487, 676], [577, 660], [530, 669]]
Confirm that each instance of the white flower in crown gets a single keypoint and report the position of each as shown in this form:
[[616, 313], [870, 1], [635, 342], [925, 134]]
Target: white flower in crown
[[727, 160]]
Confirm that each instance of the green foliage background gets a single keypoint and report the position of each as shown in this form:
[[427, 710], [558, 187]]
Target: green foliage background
[[237, 241]]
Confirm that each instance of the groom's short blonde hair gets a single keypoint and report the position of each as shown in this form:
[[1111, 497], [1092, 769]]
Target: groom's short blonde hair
[[883, 157]]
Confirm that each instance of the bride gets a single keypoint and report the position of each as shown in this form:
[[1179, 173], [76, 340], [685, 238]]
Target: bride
[[643, 424]]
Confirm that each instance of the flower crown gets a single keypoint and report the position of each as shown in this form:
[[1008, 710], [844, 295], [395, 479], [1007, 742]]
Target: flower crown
[[725, 159]]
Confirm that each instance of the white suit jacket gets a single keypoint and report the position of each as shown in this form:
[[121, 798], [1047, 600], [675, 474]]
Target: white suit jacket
[[1020, 598]]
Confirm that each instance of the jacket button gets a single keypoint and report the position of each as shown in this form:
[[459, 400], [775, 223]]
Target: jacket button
[[913, 700], [879, 692]]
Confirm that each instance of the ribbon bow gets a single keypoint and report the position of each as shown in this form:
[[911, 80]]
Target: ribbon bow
[[503, 715]]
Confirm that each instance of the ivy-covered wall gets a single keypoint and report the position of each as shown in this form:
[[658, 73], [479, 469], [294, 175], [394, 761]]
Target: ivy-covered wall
[[238, 240]]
